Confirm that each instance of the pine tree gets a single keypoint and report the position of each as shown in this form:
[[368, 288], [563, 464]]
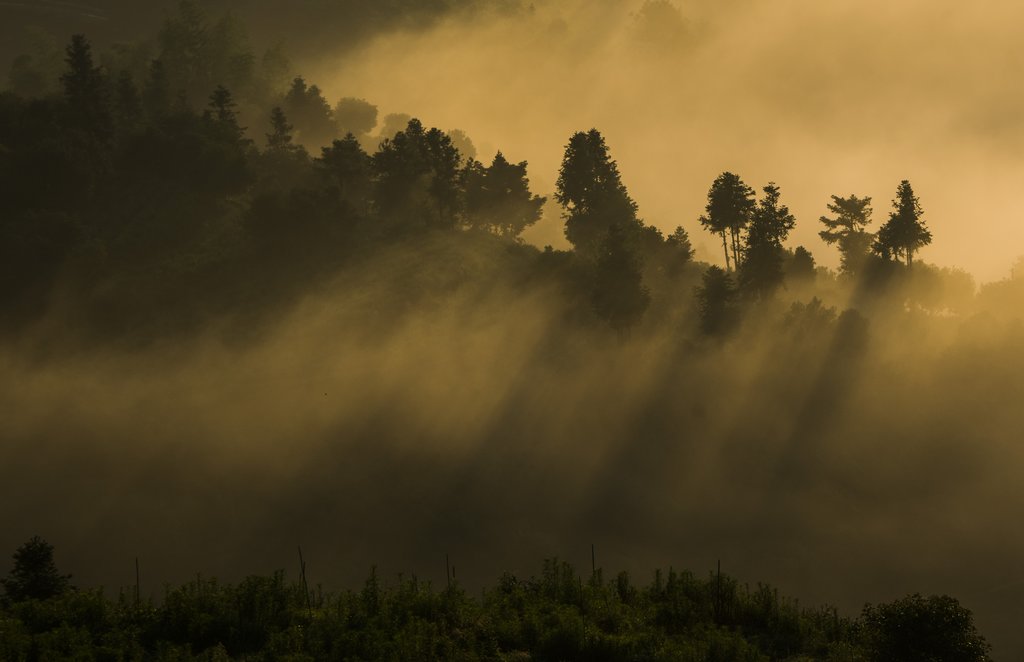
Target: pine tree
[[280, 137], [730, 204], [852, 216], [761, 271], [35, 575], [905, 232], [679, 240], [592, 193], [85, 90], [223, 114]]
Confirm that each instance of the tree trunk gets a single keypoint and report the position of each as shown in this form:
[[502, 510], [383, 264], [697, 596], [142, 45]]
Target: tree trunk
[[725, 247], [735, 247]]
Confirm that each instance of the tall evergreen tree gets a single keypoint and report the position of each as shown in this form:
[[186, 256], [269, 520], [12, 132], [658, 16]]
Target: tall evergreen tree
[[35, 575], [223, 115], [280, 137], [444, 161], [730, 204], [852, 216], [680, 250], [761, 271], [905, 232], [592, 193], [85, 90]]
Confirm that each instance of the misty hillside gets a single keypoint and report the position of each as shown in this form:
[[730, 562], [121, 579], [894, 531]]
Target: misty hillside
[[243, 309]]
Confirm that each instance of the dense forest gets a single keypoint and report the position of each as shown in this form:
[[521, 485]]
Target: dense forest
[[148, 194], [278, 311]]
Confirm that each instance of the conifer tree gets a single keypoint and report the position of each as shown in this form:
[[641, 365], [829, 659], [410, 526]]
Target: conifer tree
[[730, 204], [905, 232], [761, 271], [85, 90], [280, 137], [35, 575], [592, 193], [847, 229], [222, 114]]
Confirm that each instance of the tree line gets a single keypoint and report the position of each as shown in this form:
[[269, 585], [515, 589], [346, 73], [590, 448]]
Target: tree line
[[138, 193], [558, 615]]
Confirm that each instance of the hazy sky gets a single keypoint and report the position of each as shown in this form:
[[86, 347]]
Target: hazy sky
[[822, 98]]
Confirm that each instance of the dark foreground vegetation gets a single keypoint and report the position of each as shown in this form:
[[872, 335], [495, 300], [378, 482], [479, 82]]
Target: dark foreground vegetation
[[558, 615]]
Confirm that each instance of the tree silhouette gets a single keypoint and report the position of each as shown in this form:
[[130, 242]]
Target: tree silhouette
[[852, 215], [307, 108], [463, 143], [801, 265], [222, 114], [393, 123], [444, 161], [280, 136], [591, 192], [716, 298], [761, 270], [85, 90], [35, 575], [348, 167], [730, 205], [355, 116], [417, 178], [498, 198], [680, 250], [919, 629], [198, 55], [905, 232], [619, 296]]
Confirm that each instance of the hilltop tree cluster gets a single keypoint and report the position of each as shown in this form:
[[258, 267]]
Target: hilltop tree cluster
[[146, 193]]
